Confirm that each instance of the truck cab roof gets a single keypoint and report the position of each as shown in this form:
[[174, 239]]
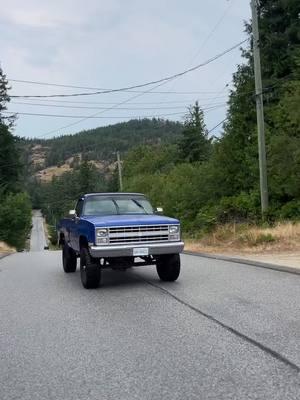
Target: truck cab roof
[[113, 194]]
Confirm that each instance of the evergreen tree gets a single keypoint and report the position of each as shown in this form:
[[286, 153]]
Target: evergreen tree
[[15, 210], [235, 160], [194, 145], [4, 99], [88, 177], [10, 166]]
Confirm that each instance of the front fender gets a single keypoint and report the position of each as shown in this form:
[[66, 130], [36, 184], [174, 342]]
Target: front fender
[[86, 229]]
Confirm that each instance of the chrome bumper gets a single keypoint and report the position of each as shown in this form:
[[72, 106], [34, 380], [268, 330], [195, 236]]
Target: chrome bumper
[[127, 250]]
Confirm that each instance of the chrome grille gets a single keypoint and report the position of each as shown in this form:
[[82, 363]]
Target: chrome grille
[[139, 234]]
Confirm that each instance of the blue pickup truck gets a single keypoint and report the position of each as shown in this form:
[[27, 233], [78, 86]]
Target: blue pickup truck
[[118, 230]]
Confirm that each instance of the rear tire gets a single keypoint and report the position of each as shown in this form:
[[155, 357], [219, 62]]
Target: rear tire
[[69, 259], [168, 267], [90, 270]]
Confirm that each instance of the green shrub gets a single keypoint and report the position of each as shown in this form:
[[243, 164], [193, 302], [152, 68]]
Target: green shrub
[[15, 219], [290, 210], [242, 208], [206, 219], [251, 239], [265, 238], [52, 234]]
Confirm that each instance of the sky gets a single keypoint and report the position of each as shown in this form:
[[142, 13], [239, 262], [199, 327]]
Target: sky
[[115, 44]]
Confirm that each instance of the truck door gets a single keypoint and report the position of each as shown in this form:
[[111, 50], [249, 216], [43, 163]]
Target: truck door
[[74, 226]]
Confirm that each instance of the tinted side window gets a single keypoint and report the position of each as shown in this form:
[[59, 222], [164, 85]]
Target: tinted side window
[[79, 207]]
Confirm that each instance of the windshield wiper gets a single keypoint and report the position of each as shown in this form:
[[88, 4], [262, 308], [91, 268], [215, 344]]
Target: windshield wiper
[[139, 205]]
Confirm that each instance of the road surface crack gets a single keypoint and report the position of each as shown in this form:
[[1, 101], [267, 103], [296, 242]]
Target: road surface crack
[[228, 328]]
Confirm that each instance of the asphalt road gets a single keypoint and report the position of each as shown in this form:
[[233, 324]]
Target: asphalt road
[[222, 331], [37, 239]]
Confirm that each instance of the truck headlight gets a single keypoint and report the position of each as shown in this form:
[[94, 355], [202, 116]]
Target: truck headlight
[[101, 232], [174, 232], [173, 229], [102, 236]]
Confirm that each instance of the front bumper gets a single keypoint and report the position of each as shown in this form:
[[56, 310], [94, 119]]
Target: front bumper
[[127, 250]]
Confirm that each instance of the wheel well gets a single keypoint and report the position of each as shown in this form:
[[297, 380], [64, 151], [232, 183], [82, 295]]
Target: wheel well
[[83, 242]]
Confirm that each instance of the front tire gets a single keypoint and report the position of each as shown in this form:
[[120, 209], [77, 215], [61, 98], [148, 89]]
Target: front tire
[[168, 267], [90, 271], [69, 259]]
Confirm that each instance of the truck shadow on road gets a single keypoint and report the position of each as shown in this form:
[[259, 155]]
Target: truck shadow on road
[[113, 279]]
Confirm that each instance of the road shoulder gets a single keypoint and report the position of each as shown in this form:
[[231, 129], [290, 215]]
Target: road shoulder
[[2, 255], [247, 261]]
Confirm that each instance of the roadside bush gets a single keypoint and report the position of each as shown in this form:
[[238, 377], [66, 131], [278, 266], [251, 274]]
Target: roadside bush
[[265, 238], [52, 235], [255, 239], [235, 209], [15, 219], [290, 210], [241, 208], [207, 218]]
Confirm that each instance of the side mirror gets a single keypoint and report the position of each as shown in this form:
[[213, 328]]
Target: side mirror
[[72, 213], [159, 210]]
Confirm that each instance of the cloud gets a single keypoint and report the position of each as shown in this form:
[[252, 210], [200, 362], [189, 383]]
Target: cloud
[[113, 43], [54, 14]]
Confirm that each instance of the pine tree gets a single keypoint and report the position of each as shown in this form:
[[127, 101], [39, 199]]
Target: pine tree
[[10, 167], [194, 145], [235, 160], [4, 99]]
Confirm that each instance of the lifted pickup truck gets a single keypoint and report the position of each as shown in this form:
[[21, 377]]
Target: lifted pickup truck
[[118, 230]]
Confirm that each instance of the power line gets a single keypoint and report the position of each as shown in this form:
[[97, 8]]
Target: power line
[[213, 30], [166, 79], [265, 89], [134, 97], [132, 103], [103, 108], [206, 39], [56, 84], [216, 126], [89, 116], [101, 112], [108, 116], [99, 89]]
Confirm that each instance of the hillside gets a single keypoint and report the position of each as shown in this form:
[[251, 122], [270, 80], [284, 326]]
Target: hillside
[[50, 157]]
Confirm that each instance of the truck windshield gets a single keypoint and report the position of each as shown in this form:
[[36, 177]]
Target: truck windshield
[[99, 205]]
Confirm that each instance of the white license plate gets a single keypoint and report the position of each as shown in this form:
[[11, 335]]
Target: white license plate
[[140, 251]]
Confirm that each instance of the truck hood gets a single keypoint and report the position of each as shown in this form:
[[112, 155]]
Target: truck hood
[[125, 220]]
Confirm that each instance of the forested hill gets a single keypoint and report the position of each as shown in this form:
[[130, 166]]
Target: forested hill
[[102, 143]]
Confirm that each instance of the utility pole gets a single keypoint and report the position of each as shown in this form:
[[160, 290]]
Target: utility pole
[[120, 171], [259, 111]]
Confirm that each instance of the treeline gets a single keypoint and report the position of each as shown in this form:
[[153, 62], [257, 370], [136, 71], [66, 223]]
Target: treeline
[[102, 143], [15, 210]]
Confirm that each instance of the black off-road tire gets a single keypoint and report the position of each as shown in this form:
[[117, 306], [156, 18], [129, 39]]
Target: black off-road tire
[[90, 270], [69, 259], [168, 267]]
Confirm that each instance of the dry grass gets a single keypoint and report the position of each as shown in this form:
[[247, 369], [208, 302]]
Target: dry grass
[[4, 248], [283, 237], [46, 175], [38, 155]]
